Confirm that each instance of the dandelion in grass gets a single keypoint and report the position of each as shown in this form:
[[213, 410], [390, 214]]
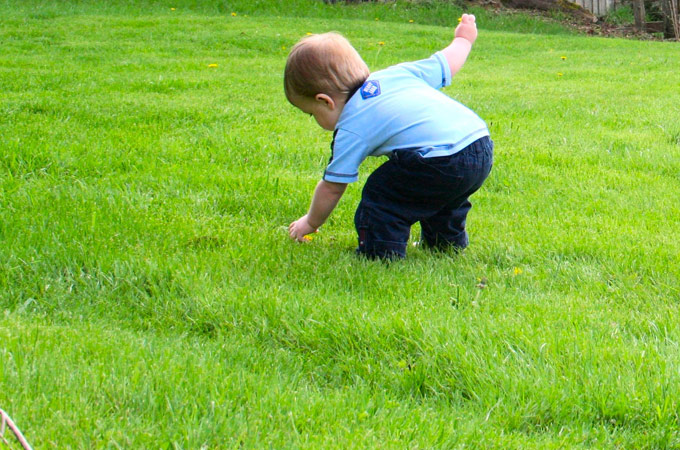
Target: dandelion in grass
[[377, 19], [563, 58], [460, 19], [173, 9], [309, 34], [559, 74], [212, 66], [381, 44], [410, 21], [233, 14], [517, 271]]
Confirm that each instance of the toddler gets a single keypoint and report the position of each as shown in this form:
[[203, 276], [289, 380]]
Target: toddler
[[439, 151]]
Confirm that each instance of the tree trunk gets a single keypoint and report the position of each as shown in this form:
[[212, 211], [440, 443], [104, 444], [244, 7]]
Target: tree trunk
[[670, 18], [674, 18], [640, 14]]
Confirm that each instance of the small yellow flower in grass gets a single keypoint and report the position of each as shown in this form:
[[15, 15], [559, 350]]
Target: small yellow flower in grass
[[517, 271], [563, 58], [559, 74], [283, 47], [381, 43], [377, 19], [410, 21], [233, 14], [173, 9], [460, 19], [212, 66]]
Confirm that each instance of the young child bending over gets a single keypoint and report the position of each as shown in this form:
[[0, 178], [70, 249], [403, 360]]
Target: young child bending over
[[439, 151]]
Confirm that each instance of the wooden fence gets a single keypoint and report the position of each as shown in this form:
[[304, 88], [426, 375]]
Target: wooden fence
[[670, 25], [598, 7]]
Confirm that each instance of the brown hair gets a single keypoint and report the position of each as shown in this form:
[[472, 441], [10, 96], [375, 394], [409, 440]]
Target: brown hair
[[323, 63]]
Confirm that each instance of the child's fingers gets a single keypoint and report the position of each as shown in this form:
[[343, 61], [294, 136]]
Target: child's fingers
[[468, 18], [292, 231], [296, 234]]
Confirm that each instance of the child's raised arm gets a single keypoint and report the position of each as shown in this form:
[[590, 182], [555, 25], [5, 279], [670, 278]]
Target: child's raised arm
[[457, 52]]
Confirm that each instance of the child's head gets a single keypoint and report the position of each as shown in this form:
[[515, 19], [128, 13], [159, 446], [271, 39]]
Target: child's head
[[323, 64]]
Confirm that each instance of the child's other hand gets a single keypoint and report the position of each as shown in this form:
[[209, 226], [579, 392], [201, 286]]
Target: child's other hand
[[467, 28], [299, 229]]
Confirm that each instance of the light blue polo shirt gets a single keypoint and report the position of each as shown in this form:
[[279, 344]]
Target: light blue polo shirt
[[401, 107]]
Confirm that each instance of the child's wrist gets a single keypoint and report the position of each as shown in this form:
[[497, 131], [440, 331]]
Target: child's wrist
[[313, 226], [469, 40]]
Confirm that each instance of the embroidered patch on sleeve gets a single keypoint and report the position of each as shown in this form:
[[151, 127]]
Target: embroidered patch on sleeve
[[371, 88]]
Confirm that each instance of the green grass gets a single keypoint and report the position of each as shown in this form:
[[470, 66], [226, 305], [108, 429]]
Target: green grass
[[150, 298], [432, 12]]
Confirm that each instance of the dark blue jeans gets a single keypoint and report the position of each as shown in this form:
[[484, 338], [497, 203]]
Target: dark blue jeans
[[433, 191]]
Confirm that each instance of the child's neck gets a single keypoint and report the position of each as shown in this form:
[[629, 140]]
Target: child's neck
[[351, 93]]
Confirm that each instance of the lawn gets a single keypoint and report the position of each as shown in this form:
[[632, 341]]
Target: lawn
[[150, 297]]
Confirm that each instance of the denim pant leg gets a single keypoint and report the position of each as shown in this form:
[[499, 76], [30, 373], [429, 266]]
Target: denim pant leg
[[382, 226], [446, 228], [409, 188]]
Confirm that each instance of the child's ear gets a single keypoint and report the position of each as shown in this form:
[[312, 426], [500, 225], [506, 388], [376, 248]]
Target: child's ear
[[325, 99]]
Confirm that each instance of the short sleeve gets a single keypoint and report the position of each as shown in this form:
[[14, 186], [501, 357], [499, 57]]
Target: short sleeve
[[434, 70], [349, 151]]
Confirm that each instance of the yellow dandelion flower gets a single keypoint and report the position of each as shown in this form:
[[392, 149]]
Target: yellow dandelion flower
[[173, 9], [377, 19], [460, 19], [517, 271], [212, 66], [559, 74], [563, 58], [410, 21], [233, 14], [381, 43], [309, 34]]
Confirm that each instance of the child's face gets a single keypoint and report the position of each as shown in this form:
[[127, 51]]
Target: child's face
[[324, 108]]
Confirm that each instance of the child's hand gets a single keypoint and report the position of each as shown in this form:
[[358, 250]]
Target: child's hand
[[300, 228], [467, 28]]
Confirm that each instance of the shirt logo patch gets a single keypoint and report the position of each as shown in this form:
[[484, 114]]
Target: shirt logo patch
[[371, 88]]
